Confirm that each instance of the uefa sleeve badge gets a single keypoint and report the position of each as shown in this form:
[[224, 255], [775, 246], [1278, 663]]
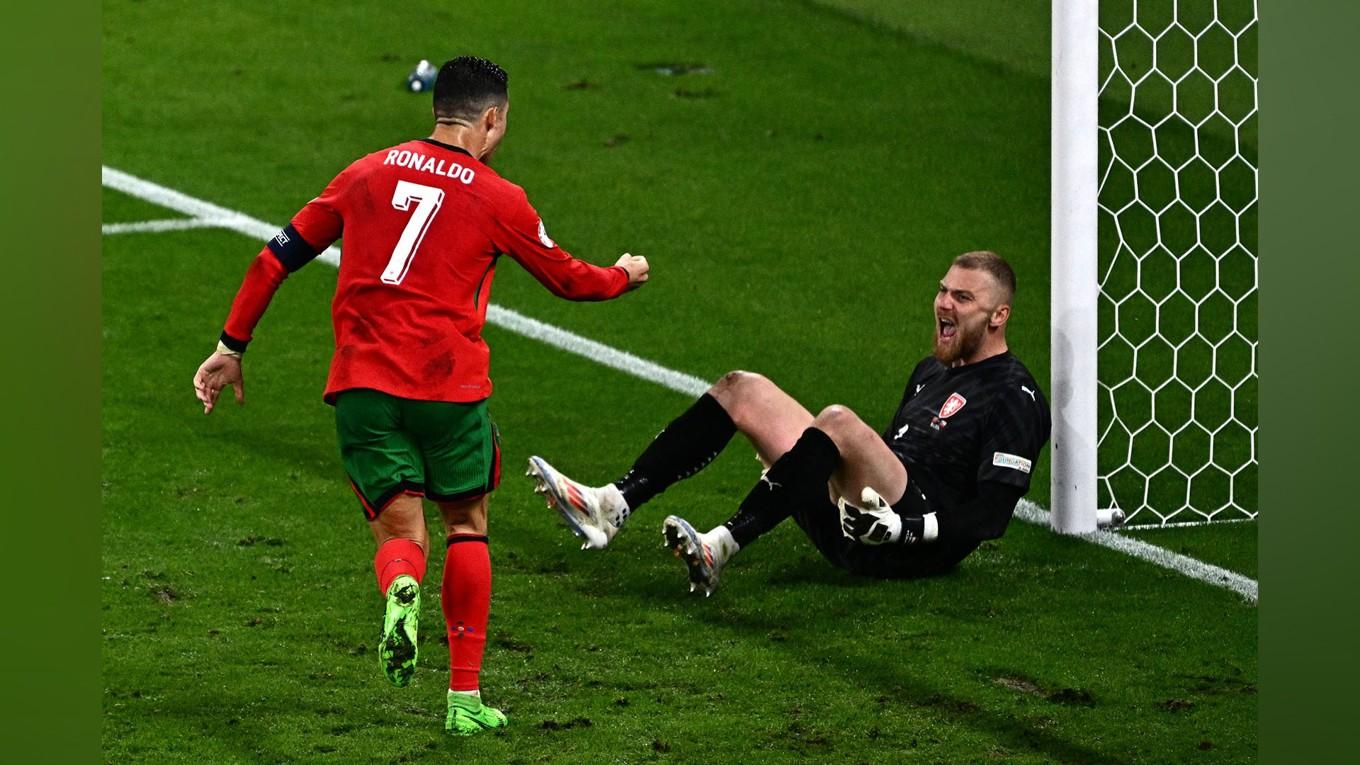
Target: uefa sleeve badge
[[543, 235]]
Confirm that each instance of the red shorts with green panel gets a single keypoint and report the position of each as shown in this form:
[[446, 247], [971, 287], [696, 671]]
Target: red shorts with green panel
[[392, 446]]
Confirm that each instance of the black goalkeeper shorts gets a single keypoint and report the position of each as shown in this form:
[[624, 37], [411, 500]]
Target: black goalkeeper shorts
[[821, 521]]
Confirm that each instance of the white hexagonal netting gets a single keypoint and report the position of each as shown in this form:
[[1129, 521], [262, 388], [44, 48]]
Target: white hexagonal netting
[[1178, 260]]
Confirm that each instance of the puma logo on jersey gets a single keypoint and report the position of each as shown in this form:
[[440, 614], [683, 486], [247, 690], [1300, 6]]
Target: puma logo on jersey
[[901, 431], [1030, 392]]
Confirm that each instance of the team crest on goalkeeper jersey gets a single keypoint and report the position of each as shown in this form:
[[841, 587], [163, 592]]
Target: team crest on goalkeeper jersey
[[543, 235], [952, 405]]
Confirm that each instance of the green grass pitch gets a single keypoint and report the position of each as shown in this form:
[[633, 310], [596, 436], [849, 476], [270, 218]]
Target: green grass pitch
[[798, 199]]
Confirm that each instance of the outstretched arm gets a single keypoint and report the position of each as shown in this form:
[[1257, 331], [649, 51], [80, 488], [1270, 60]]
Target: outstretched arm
[[520, 233], [312, 230]]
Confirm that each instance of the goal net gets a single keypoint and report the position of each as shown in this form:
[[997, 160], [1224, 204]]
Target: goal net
[[1175, 388]]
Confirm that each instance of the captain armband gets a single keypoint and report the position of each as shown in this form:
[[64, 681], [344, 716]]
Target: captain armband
[[291, 249]]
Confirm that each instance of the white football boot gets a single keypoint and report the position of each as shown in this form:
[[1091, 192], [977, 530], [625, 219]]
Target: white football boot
[[594, 514], [703, 554]]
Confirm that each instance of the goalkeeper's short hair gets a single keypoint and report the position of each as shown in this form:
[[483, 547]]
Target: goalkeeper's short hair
[[985, 260]]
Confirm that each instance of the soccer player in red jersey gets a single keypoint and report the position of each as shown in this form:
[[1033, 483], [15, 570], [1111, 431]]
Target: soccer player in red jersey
[[424, 223]]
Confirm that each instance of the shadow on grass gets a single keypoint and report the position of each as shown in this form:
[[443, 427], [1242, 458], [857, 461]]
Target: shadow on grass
[[791, 579], [896, 681]]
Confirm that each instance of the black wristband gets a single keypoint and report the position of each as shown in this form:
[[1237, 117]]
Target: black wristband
[[236, 345], [913, 529]]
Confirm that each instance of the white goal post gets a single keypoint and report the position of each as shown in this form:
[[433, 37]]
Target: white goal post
[[1154, 261], [1074, 281]]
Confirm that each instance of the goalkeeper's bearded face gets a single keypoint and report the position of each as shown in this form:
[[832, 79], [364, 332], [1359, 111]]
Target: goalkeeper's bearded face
[[963, 308]]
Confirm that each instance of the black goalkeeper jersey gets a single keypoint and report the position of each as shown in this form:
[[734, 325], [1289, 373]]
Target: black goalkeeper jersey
[[960, 426]]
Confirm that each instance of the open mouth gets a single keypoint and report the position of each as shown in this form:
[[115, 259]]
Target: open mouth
[[946, 329]]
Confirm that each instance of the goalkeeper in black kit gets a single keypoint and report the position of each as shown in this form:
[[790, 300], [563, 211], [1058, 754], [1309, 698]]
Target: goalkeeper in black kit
[[914, 500]]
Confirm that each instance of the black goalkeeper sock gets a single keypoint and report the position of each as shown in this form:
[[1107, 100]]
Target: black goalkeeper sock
[[799, 476], [683, 448]]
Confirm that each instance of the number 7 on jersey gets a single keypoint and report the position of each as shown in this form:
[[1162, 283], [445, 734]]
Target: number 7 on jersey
[[427, 199]]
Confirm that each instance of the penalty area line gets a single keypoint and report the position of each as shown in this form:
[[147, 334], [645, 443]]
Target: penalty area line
[[596, 351], [158, 226], [638, 367]]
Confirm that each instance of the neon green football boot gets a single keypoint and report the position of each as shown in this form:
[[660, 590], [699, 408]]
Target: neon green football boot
[[468, 715], [397, 649]]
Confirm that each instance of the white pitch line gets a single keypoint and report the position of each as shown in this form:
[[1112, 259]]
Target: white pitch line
[[158, 226], [646, 370], [1182, 564], [197, 208], [597, 352]]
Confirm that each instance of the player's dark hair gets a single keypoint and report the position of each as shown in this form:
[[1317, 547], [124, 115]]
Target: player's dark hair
[[466, 86], [984, 260]]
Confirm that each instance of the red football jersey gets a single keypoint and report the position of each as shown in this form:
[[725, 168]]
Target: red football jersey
[[423, 223]]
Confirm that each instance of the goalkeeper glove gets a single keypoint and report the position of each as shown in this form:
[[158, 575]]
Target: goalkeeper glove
[[877, 523]]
